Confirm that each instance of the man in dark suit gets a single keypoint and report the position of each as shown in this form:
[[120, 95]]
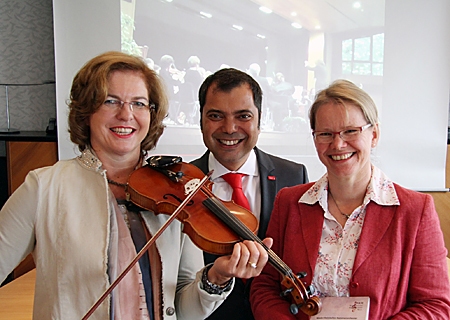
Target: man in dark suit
[[230, 116]]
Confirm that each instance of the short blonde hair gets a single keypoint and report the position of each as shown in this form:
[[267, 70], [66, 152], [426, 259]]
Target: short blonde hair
[[343, 92]]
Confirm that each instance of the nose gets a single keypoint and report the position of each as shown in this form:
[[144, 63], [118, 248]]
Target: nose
[[229, 126], [338, 142], [126, 112]]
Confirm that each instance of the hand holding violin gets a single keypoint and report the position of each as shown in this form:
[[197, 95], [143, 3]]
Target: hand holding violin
[[246, 261]]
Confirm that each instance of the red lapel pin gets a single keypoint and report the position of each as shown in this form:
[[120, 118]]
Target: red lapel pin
[[273, 178]]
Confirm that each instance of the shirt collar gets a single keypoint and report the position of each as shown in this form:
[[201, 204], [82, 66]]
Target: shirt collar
[[381, 190], [249, 168], [88, 159]]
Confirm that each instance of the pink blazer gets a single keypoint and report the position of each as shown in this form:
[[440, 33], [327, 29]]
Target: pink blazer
[[400, 263]]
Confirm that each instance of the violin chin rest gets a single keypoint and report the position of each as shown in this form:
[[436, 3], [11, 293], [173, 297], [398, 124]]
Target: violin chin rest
[[163, 161]]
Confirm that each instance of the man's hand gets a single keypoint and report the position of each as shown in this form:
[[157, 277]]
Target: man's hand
[[247, 261]]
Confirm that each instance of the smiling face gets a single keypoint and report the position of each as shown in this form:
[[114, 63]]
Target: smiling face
[[349, 160], [120, 132], [230, 125]]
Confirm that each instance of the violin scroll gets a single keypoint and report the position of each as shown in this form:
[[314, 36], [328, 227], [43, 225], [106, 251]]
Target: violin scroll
[[301, 296]]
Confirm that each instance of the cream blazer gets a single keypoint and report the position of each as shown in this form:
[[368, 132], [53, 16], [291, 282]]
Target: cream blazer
[[60, 214]]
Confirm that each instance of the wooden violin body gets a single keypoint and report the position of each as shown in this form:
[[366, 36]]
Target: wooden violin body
[[154, 191]]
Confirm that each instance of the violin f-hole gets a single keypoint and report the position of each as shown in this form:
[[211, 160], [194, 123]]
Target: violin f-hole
[[170, 195]]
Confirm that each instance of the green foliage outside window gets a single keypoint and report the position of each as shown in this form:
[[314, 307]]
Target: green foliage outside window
[[128, 44], [378, 47], [347, 50]]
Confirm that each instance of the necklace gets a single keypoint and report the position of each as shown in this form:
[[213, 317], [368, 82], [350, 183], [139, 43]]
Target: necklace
[[123, 185], [345, 215]]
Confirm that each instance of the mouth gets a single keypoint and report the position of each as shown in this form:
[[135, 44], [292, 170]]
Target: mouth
[[121, 131], [229, 142], [341, 156]]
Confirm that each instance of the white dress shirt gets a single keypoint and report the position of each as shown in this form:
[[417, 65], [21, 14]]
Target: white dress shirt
[[250, 182]]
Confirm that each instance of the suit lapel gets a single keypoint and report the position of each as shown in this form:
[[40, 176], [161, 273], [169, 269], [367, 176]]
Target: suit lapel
[[268, 185], [376, 223], [311, 220], [202, 163]]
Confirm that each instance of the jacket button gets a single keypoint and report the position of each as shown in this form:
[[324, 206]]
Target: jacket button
[[354, 285], [170, 311]]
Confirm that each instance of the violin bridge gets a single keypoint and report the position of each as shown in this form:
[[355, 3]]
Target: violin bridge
[[191, 186]]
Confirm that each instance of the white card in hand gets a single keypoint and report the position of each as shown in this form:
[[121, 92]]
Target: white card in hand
[[344, 308]]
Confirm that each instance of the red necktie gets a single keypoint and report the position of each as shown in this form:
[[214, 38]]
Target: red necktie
[[235, 181]]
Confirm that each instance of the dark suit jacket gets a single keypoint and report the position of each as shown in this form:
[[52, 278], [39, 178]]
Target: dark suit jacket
[[275, 174]]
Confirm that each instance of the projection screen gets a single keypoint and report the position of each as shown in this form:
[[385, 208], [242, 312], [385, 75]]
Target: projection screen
[[383, 46]]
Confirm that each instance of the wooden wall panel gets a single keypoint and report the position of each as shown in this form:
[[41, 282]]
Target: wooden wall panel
[[442, 203], [23, 156]]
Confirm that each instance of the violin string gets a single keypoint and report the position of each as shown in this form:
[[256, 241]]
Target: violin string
[[244, 232], [276, 261], [234, 223]]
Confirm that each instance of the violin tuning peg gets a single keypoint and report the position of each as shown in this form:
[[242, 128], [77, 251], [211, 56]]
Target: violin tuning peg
[[286, 292], [311, 289], [293, 308], [302, 274]]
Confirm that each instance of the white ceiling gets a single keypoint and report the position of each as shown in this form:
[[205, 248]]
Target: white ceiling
[[331, 15]]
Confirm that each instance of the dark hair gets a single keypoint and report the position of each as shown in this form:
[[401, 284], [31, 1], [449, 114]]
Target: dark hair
[[90, 89], [227, 79], [342, 92]]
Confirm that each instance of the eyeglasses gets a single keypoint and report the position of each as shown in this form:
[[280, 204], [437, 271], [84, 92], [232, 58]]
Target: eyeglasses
[[135, 106], [349, 134]]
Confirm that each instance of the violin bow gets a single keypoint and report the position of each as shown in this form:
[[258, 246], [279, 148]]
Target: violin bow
[[172, 217]]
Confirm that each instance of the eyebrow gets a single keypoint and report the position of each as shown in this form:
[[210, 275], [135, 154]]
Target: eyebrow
[[133, 99], [234, 113]]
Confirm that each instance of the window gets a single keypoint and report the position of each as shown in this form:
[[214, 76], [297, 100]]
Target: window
[[363, 56]]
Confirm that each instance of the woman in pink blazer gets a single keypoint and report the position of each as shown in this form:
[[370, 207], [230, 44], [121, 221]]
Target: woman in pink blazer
[[355, 232]]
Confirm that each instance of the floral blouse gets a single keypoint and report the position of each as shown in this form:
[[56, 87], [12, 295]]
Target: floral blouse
[[338, 245]]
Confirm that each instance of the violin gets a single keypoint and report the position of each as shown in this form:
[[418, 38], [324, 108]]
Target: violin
[[169, 186], [212, 224]]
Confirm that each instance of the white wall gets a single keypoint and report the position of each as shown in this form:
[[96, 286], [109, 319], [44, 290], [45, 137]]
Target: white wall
[[83, 29], [416, 84]]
